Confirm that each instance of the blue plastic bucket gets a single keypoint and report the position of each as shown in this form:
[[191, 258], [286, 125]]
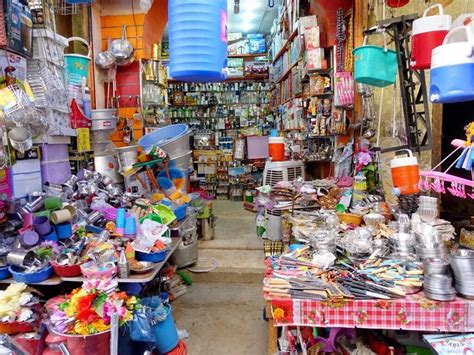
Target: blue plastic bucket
[[163, 135], [166, 334], [198, 39], [77, 65], [376, 66]]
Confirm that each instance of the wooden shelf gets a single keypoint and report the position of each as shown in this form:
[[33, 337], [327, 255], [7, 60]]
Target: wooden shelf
[[297, 96], [232, 78], [247, 55], [285, 45], [285, 75]]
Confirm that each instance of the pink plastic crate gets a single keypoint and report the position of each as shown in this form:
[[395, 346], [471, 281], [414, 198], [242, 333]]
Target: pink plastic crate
[[257, 147], [56, 173], [54, 152]]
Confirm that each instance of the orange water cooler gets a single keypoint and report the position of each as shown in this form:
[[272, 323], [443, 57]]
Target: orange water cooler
[[405, 174]]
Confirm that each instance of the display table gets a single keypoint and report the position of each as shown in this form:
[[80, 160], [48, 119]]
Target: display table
[[414, 312], [134, 278]]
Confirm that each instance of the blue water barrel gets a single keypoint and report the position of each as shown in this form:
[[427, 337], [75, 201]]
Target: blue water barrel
[[198, 39]]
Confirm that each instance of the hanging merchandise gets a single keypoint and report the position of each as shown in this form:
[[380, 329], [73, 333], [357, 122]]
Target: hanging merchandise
[[123, 50], [397, 3], [77, 65], [373, 65], [198, 44], [428, 33], [452, 68], [442, 182]]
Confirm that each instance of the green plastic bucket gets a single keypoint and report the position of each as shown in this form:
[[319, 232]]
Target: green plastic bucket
[[77, 65], [376, 66]]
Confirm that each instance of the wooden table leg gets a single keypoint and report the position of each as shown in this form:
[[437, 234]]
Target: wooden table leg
[[272, 331]]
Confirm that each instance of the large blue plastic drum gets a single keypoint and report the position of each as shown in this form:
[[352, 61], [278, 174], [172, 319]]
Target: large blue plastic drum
[[198, 40]]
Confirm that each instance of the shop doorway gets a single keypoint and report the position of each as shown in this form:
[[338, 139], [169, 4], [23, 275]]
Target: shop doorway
[[455, 117]]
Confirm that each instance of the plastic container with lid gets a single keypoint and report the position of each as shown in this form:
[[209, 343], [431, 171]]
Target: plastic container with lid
[[428, 33], [276, 148], [452, 68], [405, 174]]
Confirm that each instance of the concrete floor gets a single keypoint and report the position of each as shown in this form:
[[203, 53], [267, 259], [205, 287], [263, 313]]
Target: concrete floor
[[222, 310]]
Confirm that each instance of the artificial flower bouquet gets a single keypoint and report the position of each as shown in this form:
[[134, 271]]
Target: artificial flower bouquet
[[88, 310]]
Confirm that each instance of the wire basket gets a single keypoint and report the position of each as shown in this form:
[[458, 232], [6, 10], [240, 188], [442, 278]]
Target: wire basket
[[70, 7]]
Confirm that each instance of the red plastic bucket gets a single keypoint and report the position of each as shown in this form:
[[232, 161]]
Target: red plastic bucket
[[405, 174], [428, 33], [397, 3]]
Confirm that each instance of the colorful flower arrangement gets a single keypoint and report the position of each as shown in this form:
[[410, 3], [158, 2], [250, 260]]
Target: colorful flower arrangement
[[89, 310]]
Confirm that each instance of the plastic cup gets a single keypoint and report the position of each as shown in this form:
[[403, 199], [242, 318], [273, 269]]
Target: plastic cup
[[53, 203]]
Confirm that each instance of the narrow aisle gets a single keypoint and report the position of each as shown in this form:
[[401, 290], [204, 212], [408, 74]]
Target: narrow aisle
[[222, 310]]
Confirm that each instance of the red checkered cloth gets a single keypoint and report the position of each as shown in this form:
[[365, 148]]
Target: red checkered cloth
[[414, 312]]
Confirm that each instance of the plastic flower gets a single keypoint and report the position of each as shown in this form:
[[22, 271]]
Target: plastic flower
[[87, 315], [364, 158]]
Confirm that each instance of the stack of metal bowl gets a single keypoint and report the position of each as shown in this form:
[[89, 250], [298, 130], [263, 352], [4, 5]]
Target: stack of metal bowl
[[429, 244], [462, 263], [439, 287], [402, 243]]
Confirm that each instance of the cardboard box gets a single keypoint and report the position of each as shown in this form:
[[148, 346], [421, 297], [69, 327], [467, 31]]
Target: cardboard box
[[236, 66], [257, 43], [19, 27], [314, 59], [307, 21], [311, 37]]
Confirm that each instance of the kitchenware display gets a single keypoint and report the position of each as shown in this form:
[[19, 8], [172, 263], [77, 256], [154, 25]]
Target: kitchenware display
[[436, 266]]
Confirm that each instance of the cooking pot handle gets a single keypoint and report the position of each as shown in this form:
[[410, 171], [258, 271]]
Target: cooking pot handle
[[468, 32], [79, 39], [439, 6]]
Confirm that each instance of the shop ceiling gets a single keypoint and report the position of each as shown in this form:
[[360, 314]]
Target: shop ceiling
[[255, 16]]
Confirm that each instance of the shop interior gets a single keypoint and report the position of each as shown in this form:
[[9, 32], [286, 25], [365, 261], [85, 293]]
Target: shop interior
[[242, 177]]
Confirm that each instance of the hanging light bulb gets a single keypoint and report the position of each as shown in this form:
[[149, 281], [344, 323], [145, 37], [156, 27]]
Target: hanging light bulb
[[236, 6], [145, 5]]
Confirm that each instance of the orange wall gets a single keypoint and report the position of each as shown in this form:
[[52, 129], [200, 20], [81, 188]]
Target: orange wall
[[142, 31]]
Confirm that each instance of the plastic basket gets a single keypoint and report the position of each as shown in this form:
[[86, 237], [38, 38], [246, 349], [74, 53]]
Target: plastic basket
[[67, 270], [163, 135], [31, 278], [4, 273], [151, 257], [165, 213], [376, 66]]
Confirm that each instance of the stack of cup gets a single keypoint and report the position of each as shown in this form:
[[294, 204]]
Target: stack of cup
[[428, 209], [130, 231]]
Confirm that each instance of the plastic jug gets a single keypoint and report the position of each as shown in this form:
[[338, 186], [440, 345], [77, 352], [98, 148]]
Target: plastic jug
[[198, 40], [405, 174], [428, 33], [452, 68]]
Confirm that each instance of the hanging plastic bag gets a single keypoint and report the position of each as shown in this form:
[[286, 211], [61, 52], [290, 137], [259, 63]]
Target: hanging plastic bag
[[140, 327]]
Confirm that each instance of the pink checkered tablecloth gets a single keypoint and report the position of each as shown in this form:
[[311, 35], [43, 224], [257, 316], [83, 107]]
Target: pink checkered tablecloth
[[414, 312]]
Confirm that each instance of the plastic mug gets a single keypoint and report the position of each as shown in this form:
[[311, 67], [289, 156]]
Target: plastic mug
[[61, 216], [41, 225], [53, 203], [64, 230], [51, 236]]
